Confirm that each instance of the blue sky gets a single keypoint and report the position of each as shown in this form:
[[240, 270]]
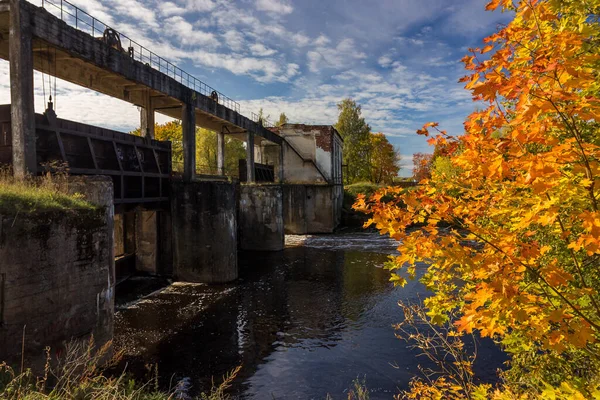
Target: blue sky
[[399, 59]]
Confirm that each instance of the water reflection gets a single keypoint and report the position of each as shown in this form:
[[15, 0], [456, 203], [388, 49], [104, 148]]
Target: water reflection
[[303, 322]]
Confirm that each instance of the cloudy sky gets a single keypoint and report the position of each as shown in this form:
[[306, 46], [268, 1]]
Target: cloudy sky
[[399, 59]]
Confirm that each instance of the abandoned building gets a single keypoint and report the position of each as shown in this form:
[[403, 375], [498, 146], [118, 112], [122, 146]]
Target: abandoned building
[[152, 220]]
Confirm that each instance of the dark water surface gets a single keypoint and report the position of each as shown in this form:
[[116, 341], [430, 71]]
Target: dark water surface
[[302, 323]]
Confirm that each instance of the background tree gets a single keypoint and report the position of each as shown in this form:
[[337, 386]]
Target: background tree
[[283, 119], [206, 148], [357, 142], [422, 166], [384, 159]]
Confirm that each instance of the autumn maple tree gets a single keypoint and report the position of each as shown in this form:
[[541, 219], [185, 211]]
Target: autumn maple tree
[[521, 260], [422, 166]]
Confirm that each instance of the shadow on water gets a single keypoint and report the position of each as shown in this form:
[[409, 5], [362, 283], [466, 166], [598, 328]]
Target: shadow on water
[[303, 323]]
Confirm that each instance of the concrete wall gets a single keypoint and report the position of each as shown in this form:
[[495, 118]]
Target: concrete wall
[[57, 274], [311, 154], [310, 209], [204, 231], [260, 218], [298, 170]]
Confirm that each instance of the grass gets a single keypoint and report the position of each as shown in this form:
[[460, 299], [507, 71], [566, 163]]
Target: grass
[[81, 374], [47, 193]]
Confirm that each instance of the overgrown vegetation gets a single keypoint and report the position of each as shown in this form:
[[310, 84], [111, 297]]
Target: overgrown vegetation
[[39, 194], [86, 372], [81, 375], [521, 187]]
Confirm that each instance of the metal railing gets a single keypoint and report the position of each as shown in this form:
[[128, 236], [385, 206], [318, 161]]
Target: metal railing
[[264, 121], [81, 20]]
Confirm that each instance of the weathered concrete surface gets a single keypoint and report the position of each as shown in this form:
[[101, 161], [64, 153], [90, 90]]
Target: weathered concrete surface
[[310, 208], [147, 244], [204, 231], [260, 218], [57, 274], [311, 154]]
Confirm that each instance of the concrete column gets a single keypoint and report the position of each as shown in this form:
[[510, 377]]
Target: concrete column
[[146, 255], [280, 164], [260, 218], [204, 216], [250, 156], [21, 92], [188, 124], [147, 119], [221, 153]]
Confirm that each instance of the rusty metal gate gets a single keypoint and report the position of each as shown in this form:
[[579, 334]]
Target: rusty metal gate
[[140, 168]]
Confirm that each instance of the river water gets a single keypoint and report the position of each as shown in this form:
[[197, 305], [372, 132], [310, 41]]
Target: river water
[[302, 323]]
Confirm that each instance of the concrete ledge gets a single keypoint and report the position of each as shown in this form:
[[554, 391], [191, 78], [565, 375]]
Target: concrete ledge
[[204, 231], [260, 218]]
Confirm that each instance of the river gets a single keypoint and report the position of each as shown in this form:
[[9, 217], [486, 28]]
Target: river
[[302, 323]]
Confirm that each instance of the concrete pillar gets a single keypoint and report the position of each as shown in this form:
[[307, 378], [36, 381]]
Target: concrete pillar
[[221, 153], [147, 118], [250, 157], [147, 245], [204, 231], [188, 124], [260, 218], [280, 163], [21, 92]]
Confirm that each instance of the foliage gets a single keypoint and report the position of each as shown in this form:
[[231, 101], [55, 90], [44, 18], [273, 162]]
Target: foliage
[[206, 148], [283, 119], [47, 193], [81, 374], [384, 159], [206, 153], [522, 264], [365, 188], [422, 166], [357, 141]]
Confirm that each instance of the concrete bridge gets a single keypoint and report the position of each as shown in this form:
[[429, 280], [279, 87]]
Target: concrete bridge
[[189, 227], [63, 41]]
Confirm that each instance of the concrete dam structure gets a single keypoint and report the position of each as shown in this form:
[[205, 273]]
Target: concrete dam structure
[[151, 218]]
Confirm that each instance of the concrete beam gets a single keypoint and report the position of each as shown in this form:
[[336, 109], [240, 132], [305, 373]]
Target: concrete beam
[[188, 125], [250, 157], [21, 92], [105, 60]]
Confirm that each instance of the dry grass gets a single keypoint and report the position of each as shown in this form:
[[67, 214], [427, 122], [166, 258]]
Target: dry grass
[[80, 375], [38, 194]]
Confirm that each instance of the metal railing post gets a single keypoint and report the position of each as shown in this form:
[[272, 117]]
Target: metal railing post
[[61, 9]]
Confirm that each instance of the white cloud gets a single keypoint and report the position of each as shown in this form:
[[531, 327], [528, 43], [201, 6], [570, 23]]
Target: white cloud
[[343, 55], [200, 5], [261, 69], [385, 61], [187, 35], [274, 6], [260, 50], [234, 39], [169, 9]]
